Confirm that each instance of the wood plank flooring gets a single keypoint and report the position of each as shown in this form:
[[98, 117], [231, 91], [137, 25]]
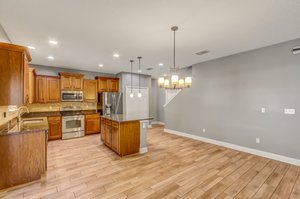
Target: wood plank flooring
[[174, 167]]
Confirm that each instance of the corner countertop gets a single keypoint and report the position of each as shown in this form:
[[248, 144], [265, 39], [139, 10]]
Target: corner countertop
[[28, 125], [126, 117]]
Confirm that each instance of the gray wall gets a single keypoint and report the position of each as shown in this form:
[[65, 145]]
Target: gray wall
[[125, 80], [227, 96], [53, 71], [154, 100], [3, 35]]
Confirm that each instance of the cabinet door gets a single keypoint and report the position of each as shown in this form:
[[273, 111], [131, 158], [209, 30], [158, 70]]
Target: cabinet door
[[77, 83], [31, 84], [90, 90], [40, 89], [102, 85], [103, 128], [26, 82], [53, 91], [108, 135], [54, 131], [113, 85], [66, 82], [115, 137], [92, 124]]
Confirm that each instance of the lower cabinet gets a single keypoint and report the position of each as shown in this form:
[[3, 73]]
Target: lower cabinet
[[54, 131], [110, 134], [115, 137], [92, 124], [103, 127]]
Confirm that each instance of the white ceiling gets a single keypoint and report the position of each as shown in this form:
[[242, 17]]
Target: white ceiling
[[89, 32]]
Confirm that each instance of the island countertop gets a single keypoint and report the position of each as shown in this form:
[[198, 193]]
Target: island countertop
[[28, 125], [126, 117]]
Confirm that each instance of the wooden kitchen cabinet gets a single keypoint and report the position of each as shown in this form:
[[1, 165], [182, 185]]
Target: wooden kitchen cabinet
[[31, 85], [92, 124], [108, 84], [102, 129], [115, 136], [90, 90], [47, 89], [54, 131], [71, 82], [108, 135], [14, 78], [122, 137]]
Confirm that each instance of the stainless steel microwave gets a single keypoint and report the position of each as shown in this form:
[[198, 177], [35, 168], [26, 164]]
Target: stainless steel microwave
[[71, 96]]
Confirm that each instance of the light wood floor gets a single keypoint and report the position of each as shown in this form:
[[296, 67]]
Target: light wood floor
[[174, 167]]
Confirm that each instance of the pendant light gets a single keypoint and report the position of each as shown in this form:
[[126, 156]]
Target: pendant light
[[131, 93], [139, 71], [174, 81]]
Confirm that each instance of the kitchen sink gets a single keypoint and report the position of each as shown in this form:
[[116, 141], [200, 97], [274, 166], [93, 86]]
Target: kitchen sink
[[31, 121]]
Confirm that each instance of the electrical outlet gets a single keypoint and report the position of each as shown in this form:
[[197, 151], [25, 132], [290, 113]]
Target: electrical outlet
[[203, 130], [263, 109], [289, 111], [257, 140]]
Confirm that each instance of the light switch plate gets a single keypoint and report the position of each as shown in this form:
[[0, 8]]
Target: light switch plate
[[263, 109], [290, 111], [257, 140]]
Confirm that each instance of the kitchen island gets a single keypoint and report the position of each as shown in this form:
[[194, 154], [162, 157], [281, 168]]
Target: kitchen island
[[122, 133], [23, 151]]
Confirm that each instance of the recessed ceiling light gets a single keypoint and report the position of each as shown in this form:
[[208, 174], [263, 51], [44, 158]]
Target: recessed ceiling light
[[53, 42], [31, 47], [50, 57], [139, 71], [100, 65], [116, 55], [160, 64]]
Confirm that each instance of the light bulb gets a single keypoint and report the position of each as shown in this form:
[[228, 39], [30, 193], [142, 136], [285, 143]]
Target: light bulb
[[181, 82], [174, 79], [131, 95], [161, 81], [139, 95], [188, 81], [166, 83]]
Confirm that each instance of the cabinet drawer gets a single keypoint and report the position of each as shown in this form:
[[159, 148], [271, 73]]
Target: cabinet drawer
[[50, 119], [92, 116], [108, 122], [115, 124]]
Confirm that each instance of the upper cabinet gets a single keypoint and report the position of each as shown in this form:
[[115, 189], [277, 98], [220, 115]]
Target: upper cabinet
[[90, 90], [14, 80], [73, 82], [47, 89], [108, 84]]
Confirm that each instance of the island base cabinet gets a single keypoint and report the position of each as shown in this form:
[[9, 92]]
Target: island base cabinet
[[25, 161], [121, 137]]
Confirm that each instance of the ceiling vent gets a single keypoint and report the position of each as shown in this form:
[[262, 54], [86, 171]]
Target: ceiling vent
[[296, 50], [202, 52], [149, 68]]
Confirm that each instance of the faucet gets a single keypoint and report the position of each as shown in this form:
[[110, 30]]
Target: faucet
[[20, 112]]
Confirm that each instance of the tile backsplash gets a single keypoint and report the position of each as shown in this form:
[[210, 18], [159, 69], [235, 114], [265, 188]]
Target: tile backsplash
[[56, 106], [6, 115]]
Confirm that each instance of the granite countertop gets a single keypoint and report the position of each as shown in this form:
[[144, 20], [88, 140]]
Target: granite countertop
[[28, 125], [126, 118], [89, 112], [41, 114]]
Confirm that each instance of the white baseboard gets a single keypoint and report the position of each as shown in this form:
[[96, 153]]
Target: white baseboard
[[238, 148], [144, 150], [160, 123]]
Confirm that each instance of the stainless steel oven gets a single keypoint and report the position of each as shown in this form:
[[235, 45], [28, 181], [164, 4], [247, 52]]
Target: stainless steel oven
[[72, 126], [71, 96]]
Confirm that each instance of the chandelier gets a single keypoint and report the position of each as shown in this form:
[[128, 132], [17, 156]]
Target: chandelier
[[174, 80]]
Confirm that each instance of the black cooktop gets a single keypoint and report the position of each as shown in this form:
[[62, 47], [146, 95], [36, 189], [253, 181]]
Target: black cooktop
[[70, 113]]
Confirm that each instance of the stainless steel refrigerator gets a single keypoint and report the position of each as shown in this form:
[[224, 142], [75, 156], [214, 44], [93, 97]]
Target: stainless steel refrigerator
[[112, 103]]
